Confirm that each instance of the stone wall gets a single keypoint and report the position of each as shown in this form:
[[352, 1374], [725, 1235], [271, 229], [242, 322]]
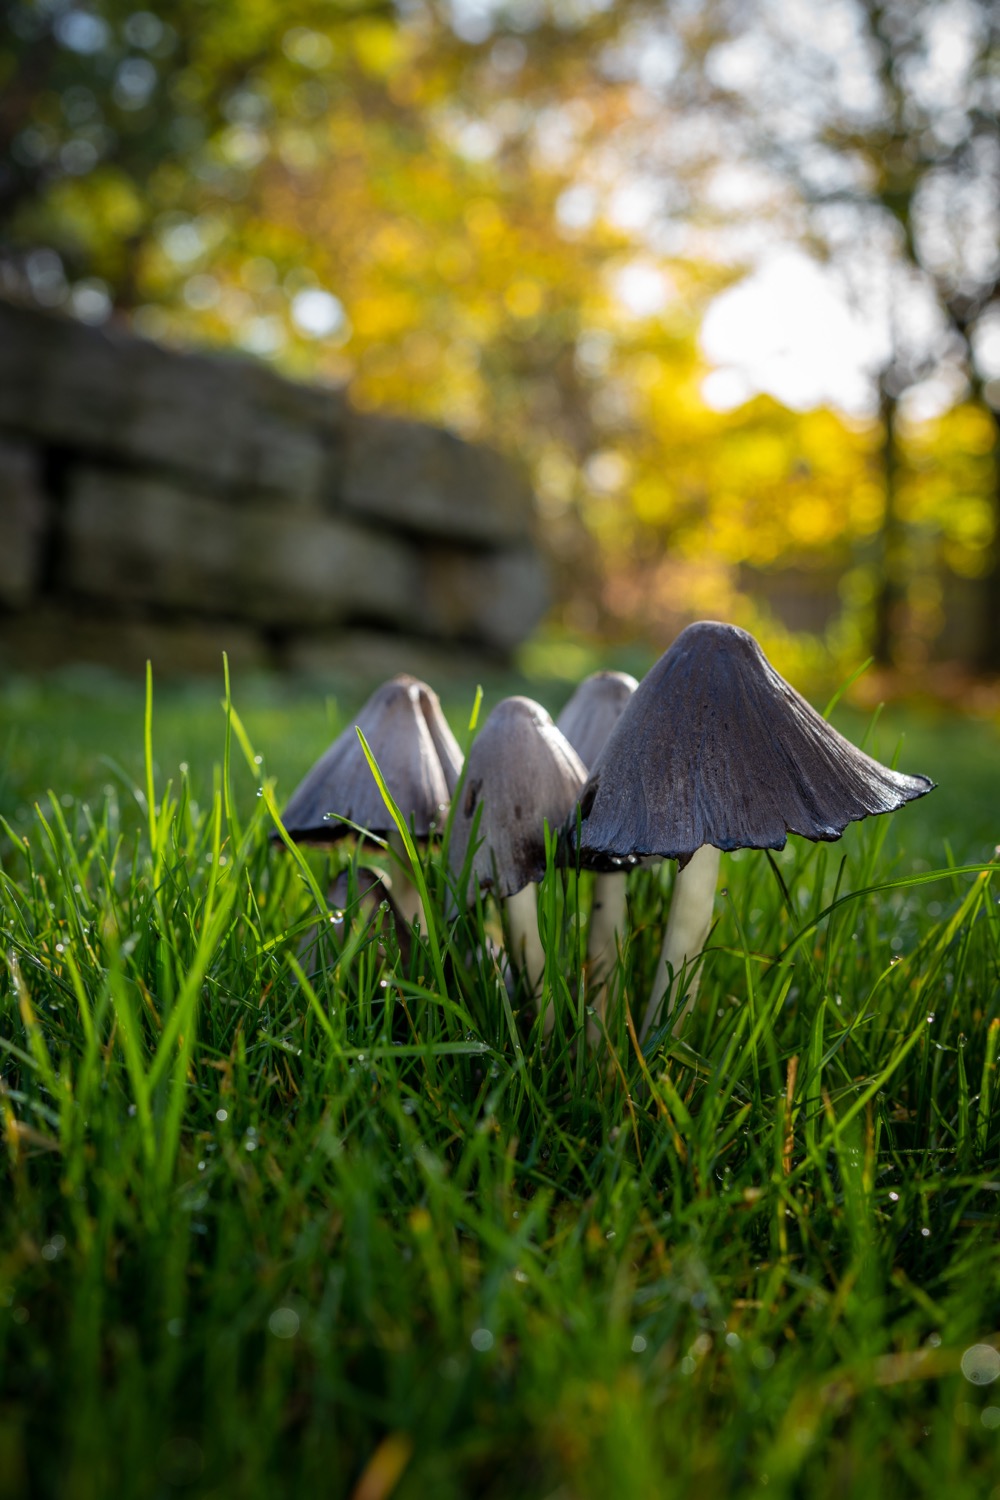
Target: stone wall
[[165, 505]]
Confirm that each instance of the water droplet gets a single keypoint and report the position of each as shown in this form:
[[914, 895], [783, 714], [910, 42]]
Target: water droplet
[[481, 1340], [981, 1364], [638, 1344], [284, 1322]]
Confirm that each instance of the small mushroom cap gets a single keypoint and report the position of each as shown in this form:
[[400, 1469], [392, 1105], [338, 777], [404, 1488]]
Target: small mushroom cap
[[415, 751], [524, 773], [714, 747], [594, 710]]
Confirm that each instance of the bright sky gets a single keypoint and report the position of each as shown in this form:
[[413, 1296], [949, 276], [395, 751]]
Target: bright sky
[[788, 331]]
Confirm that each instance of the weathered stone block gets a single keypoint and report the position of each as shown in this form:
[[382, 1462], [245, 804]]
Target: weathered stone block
[[231, 421], [22, 522], [104, 391], [429, 481], [144, 540], [493, 597]]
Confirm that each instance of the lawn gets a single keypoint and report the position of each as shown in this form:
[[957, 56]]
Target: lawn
[[286, 1215]]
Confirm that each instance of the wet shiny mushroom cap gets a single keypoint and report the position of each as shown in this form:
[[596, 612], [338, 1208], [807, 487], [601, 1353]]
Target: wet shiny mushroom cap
[[714, 747], [523, 773], [594, 710], [416, 752]]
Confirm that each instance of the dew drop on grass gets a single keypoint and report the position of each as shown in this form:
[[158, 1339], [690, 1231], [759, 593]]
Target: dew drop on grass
[[925, 1232], [222, 1114], [638, 1344], [981, 1364], [284, 1322], [481, 1340]]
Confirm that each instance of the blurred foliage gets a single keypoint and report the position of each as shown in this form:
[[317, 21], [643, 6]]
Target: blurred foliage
[[502, 219]]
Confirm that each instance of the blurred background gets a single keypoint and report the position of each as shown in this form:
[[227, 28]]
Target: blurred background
[[719, 277]]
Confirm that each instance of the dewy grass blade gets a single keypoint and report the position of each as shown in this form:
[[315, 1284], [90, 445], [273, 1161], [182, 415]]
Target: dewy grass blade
[[148, 757], [176, 1043], [128, 1029], [416, 871], [846, 686], [986, 1087], [227, 768], [902, 882], [36, 1037], [267, 795]]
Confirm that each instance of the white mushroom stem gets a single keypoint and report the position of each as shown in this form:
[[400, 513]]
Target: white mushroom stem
[[405, 896], [687, 929], [607, 925], [526, 949]]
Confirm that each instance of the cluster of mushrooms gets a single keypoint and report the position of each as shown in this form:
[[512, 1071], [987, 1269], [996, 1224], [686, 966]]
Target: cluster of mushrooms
[[713, 751]]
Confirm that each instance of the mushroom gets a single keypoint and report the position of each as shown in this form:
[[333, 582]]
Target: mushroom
[[523, 774], [594, 710], [420, 762], [715, 751], [586, 721]]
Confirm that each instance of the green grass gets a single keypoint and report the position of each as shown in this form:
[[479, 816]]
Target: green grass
[[285, 1215]]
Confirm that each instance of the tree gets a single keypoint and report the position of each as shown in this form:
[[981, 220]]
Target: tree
[[882, 116]]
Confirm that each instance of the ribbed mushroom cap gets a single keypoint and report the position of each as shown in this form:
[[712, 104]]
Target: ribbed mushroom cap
[[714, 747], [416, 753], [524, 773], [594, 710]]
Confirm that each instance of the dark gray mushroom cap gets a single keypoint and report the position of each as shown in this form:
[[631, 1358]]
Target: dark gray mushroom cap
[[415, 751], [714, 747], [524, 773], [594, 710]]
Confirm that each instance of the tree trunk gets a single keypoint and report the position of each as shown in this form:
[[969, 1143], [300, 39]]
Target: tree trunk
[[988, 643], [890, 588]]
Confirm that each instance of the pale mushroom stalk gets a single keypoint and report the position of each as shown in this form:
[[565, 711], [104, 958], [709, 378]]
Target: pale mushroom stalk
[[524, 774], [525, 940], [687, 930], [405, 896], [586, 721], [608, 924]]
